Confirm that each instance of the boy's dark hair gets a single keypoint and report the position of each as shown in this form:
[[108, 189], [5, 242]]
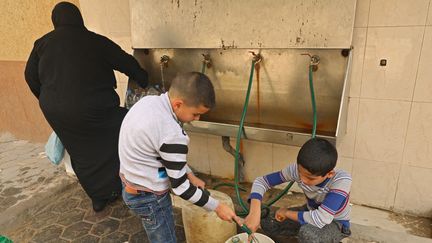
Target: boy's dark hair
[[194, 88], [318, 156]]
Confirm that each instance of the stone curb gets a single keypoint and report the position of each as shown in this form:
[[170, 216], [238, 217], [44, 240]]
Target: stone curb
[[375, 234]]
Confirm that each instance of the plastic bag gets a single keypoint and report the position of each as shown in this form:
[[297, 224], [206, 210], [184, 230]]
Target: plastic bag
[[54, 149]]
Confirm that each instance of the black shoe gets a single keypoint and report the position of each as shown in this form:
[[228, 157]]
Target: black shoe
[[99, 205], [113, 198]]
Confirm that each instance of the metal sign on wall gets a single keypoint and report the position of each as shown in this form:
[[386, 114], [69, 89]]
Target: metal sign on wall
[[242, 23]]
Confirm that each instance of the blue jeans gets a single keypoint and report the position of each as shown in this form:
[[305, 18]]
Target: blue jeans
[[156, 215]]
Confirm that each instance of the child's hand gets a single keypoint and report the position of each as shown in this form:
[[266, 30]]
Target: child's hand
[[226, 213], [196, 181], [281, 214], [252, 221]]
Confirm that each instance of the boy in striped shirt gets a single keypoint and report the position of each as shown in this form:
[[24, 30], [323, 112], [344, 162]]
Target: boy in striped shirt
[[153, 148], [325, 217]]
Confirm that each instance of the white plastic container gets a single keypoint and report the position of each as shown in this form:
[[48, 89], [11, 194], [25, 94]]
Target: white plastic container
[[201, 225], [243, 238], [68, 165]]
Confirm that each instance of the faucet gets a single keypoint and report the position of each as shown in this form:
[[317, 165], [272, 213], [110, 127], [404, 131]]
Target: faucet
[[207, 60], [314, 61]]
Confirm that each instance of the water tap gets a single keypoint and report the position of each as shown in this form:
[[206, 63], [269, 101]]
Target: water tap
[[164, 60], [207, 60], [314, 60], [257, 58]]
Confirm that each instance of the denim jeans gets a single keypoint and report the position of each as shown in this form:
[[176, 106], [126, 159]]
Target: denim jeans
[[156, 215]]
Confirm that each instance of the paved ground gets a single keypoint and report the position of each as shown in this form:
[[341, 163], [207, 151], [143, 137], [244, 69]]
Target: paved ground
[[40, 203], [23, 171], [69, 218]]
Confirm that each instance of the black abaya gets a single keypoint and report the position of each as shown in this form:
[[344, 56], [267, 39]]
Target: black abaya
[[70, 71]]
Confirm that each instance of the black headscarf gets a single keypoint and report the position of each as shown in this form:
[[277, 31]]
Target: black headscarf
[[66, 14]]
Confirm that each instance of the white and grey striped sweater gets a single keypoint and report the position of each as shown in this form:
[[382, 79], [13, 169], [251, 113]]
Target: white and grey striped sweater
[[153, 149], [326, 201]]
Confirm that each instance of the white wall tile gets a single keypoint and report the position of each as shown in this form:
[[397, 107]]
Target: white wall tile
[[381, 130], [259, 159], [198, 156], [124, 42], [345, 144], [221, 162], [414, 191], [345, 163], [95, 16], [374, 183], [429, 20], [283, 155], [418, 148], [400, 46], [362, 13], [359, 43], [398, 12], [423, 86], [118, 14], [110, 18]]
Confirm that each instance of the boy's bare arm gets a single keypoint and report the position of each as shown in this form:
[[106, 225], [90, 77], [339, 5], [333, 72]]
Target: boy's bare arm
[[252, 221], [195, 180], [225, 213], [283, 214]]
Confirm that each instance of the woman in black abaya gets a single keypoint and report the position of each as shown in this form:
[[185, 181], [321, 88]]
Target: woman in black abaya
[[70, 71]]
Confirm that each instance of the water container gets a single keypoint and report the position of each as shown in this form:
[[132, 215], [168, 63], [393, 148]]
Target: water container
[[203, 226], [243, 238]]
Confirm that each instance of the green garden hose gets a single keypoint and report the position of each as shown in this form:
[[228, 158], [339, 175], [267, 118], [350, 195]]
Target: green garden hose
[[203, 67], [312, 92], [240, 133]]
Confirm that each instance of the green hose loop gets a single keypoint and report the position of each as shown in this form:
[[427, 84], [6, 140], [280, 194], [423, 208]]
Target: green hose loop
[[281, 194], [312, 92], [237, 154], [228, 184], [239, 136]]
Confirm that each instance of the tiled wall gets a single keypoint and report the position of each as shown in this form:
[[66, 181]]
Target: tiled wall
[[392, 159], [388, 145]]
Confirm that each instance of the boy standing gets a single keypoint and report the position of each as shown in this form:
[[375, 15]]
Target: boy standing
[[326, 216], [153, 148]]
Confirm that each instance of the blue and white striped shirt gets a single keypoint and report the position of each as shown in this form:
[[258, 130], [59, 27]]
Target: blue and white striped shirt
[[326, 201]]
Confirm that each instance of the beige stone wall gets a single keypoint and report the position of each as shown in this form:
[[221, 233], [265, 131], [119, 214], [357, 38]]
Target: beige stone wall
[[21, 24]]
